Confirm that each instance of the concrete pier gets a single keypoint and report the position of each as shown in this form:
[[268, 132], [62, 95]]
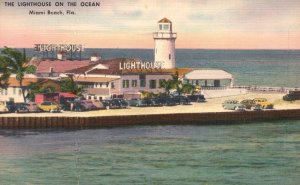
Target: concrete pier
[[149, 119]]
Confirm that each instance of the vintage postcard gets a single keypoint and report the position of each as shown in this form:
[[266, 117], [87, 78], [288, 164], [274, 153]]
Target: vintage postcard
[[149, 92]]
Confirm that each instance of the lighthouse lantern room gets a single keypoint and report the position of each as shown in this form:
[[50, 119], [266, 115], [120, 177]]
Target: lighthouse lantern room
[[164, 40]]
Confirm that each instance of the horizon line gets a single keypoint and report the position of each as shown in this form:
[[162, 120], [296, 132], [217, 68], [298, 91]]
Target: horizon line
[[177, 48]]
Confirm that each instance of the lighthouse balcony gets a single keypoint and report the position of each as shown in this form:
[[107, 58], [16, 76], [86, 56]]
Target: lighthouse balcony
[[161, 35]]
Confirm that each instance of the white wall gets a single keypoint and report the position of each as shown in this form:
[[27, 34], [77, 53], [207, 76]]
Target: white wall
[[164, 48], [14, 93]]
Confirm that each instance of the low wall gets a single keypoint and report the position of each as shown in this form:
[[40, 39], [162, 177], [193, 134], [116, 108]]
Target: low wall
[[150, 119]]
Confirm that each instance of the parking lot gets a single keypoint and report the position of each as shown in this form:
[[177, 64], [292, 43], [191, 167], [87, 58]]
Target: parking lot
[[211, 105]]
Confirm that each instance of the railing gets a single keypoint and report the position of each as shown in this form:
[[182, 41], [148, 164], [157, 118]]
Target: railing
[[267, 89], [214, 88], [162, 35]]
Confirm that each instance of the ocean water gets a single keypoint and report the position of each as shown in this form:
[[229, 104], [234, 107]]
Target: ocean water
[[250, 67], [250, 153]]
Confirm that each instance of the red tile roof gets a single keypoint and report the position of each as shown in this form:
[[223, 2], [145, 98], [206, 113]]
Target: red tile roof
[[26, 81], [112, 64], [93, 79], [61, 66], [164, 20]]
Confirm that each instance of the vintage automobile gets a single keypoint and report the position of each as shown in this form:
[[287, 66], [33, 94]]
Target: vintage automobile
[[291, 96], [21, 107], [32, 106], [263, 102], [182, 100], [166, 101], [248, 103], [3, 107], [98, 104], [152, 102], [256, 107], [136, 102], [117, 103], [232, 105], [84, 105], [48, 106], [196, 98]]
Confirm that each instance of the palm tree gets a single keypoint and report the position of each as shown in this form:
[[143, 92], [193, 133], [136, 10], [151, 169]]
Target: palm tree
[[69, 85], [17, 63], [167, 85], [188, 88]]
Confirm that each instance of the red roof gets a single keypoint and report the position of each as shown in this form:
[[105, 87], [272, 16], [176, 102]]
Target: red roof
[[67, 95], [61, 66], [164, 20]]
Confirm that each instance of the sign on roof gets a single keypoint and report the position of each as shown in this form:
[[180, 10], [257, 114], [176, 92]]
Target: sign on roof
[[140, 65], [59, 47]]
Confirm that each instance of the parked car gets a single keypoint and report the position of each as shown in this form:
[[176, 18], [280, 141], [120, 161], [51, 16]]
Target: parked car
[[137, 102], [248, 103], [98, 104], [166, 101], [291, 96], [240, 107], [117, 103], [48, 106], [196, 98], [256, 107], [21, 107], [33, 107], [182, 100], [3, 107], [84, 105], [10, 105], [232, 105], [153, 102], [121, 102], [263, 102]]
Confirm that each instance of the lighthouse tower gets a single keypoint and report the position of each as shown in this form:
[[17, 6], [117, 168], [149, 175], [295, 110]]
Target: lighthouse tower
[[164, 40]]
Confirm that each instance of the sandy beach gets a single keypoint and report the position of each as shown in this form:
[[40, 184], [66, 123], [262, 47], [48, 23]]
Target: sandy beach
[[211, 105]]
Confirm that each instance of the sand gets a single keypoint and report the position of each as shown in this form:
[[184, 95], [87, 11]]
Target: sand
[[211, 105]]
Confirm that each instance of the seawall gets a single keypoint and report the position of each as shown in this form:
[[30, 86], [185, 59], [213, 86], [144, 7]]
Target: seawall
[[147, 119]]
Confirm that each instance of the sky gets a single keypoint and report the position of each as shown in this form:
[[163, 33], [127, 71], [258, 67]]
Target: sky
[[204, 24]]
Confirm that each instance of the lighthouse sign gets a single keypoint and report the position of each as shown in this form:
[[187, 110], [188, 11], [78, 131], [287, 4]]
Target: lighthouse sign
[[141, 65]]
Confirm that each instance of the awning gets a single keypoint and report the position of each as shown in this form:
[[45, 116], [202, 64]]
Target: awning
[[68, 95], [208, 74]]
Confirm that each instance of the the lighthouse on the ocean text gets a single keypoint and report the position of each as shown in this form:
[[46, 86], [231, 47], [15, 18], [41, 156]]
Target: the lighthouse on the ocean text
[[164, 40]]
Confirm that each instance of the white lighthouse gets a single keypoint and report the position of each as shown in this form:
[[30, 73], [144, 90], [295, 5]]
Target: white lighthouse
[[164, 40]]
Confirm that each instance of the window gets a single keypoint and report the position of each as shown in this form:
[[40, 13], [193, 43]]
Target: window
[[107, 84], [20, 92], [125, 83], [160, 27], [142, 83], [112, 85], [5, 91], [14, 90], [169, 56], [134, 83], [152, 84], [166, 27]]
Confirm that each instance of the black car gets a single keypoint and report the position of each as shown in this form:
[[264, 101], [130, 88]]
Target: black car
[[115, 103], [166, 101], [196, 98], [291, 96], [152, 102], [182, 100], [11, 106], [21, 107]]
